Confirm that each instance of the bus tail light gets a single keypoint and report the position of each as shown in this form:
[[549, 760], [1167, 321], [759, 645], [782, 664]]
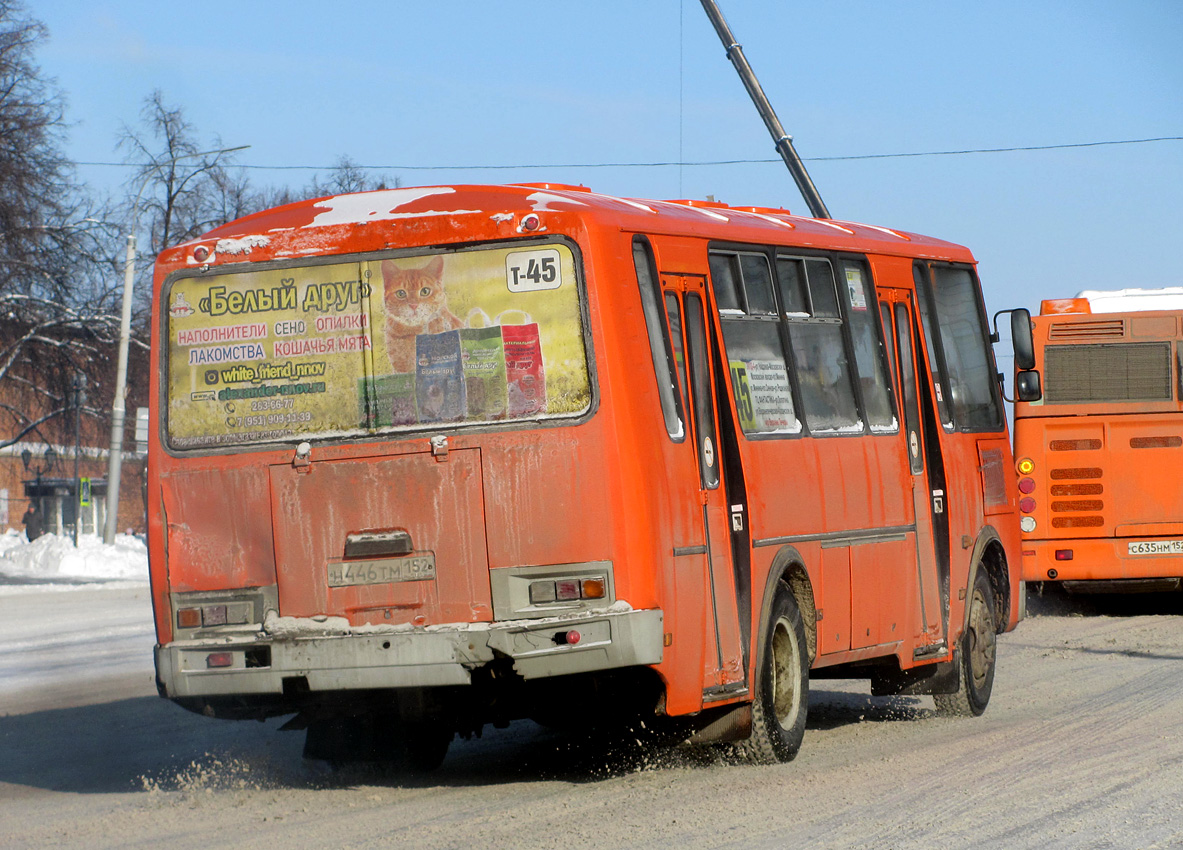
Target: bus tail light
[[224, 614], [1063, 554], [1027, 524], [542, 592], [219, 659], [1026, 466], [567, 590], [1027, 504], [1026, 485]]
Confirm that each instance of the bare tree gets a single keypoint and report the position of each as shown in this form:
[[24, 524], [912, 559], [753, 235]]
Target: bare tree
[[345, 177], [181, 190], [34, 178], [57, 261]]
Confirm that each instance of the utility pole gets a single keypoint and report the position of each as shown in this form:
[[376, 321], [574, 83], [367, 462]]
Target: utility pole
[[78, 399], [784, 142], [119, 405]]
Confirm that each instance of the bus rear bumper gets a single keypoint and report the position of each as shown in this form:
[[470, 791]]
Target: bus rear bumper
[[373, 658], [1106, 559]]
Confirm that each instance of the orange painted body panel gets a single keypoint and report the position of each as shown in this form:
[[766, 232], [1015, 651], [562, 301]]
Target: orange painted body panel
[[1104, 480], [608, 486]]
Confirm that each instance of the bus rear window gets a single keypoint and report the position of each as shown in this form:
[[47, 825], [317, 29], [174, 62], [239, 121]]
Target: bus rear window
[[354, 348]]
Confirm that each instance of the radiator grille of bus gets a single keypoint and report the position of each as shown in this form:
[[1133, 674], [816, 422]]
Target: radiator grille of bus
[[1136, 371], [1074, 445], [1171, 442], [1081, 481], [1108, 328]]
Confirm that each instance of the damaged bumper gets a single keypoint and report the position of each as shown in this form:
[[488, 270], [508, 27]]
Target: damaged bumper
[[373, 658]]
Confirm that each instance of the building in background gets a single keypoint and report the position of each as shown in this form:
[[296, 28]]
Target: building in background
[[57, 450]]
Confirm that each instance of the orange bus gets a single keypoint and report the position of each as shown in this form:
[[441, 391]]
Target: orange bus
[[435, 458], [1102, 510]]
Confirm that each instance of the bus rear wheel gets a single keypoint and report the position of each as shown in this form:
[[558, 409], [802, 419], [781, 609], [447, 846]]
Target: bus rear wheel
[[979, 651], [782, 686]]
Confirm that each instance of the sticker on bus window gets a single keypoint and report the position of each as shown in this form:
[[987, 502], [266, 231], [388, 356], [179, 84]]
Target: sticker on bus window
[[854, 283], [763, 397], [350, 348], [533, 271]]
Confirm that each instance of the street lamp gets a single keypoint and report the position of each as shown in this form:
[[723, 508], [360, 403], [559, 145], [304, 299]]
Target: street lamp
[[118, 406], [50, 459]]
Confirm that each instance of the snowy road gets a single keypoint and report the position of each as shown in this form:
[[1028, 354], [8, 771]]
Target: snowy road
[[1082, 747]]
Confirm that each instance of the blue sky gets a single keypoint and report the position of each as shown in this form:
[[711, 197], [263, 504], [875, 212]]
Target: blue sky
[[554, 83]]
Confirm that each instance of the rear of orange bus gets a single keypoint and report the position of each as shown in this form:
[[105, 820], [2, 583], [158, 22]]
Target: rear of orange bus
[[378, 475], [1098, 455]]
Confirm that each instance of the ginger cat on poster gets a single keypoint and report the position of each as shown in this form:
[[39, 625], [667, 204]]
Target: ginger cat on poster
[[415, 304]]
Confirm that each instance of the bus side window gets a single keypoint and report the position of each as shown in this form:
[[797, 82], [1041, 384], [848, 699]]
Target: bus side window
[[868, 348], [700, 377], [964, 343], [822, 369], [792, 287], [725, 282], [920, 277], [659, 342], [673, 314], [755, 354]]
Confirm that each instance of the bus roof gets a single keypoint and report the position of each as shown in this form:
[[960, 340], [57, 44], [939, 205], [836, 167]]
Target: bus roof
[[1134, 300], [283, 232]]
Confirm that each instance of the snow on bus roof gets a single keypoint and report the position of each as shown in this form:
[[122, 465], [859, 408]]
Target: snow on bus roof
[[1133, 300], [502, 203]]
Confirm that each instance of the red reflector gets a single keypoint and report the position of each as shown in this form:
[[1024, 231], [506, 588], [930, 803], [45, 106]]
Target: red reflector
[[573, 637], [567, 589], [1063, 554], [1026, 485], [219, 659], [1026, 504]]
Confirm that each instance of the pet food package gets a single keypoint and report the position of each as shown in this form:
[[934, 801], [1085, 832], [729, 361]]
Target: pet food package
[[524, 375], [482, 356], [388, 400], [439, 377]]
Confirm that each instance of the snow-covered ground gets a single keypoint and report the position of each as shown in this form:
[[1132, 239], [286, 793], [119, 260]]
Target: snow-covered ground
[[58, 636], [54, 562]]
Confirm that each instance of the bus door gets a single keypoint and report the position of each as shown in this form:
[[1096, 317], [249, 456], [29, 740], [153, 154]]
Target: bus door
[[925, 464], [724, 663]]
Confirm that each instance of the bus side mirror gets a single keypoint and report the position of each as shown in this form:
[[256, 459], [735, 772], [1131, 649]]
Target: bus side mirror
[[1027, 385], [1022, 341]]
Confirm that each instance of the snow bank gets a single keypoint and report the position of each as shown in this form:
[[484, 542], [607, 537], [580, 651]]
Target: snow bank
[[53, 558]]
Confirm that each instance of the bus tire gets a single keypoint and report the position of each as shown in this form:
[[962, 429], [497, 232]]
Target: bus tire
[[781, 700], [979, 651]]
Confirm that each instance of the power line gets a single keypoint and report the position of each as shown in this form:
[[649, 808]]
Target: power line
[[659, 164]]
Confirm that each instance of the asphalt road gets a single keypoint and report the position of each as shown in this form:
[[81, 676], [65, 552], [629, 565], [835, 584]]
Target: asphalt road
[[1081, 747]]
